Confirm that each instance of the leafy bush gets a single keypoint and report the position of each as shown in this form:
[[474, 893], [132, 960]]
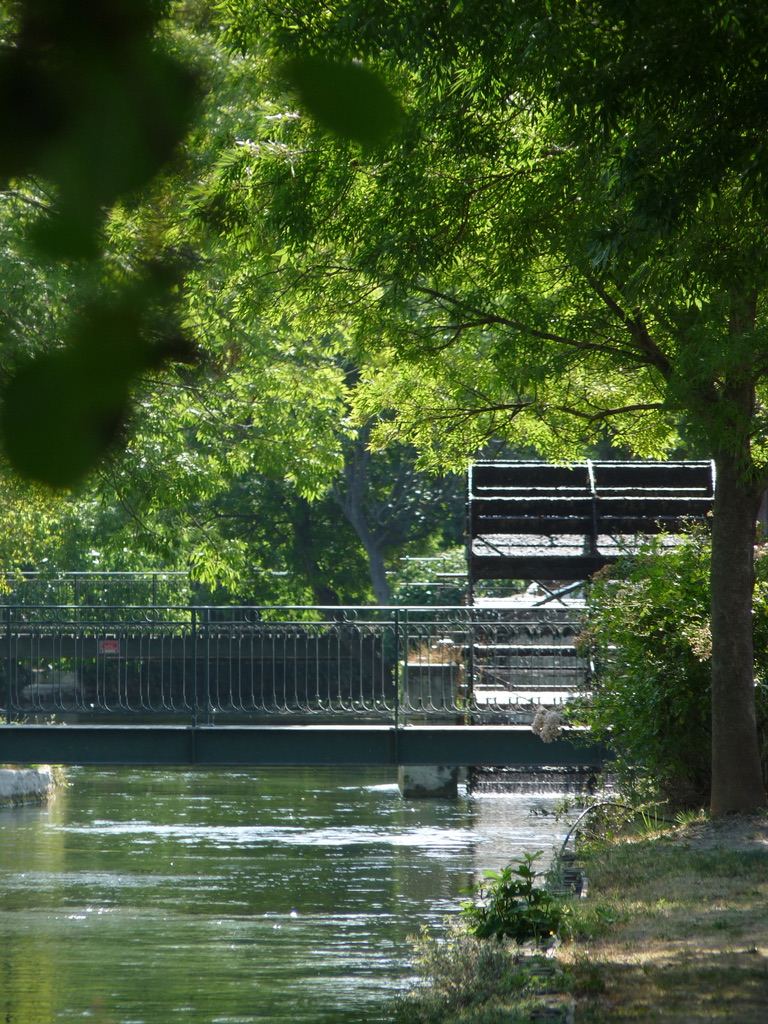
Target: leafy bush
[[457, 972], [465, 980], [512, 906], [648, 632]]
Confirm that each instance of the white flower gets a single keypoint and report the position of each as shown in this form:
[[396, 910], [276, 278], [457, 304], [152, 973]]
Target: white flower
[[546, 725], [538, 721]]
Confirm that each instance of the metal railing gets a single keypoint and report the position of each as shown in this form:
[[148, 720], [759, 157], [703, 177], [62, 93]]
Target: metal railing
[[99, 588], [367, 663]]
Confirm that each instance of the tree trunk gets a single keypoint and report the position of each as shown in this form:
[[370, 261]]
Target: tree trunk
[[737, 781], [374, 553], [379, 581], [357, 460]]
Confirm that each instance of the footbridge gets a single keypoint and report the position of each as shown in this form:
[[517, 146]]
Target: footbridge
[[169, 684]]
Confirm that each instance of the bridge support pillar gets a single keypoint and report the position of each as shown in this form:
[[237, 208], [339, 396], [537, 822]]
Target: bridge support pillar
[[437, 781]]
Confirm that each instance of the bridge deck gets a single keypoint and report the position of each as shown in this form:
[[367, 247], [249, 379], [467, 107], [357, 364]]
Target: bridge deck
[[298, 745], [183, 685]]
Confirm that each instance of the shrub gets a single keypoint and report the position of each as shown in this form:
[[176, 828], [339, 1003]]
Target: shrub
[[465, 980], [511, 905], [459, 971], [648, 633]]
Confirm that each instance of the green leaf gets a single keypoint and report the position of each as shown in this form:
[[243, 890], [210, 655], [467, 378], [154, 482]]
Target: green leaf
[[347, 99]]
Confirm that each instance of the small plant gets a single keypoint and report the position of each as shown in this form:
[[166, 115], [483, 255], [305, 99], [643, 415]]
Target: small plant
[[511, 905], [652, 822], [691, 817]]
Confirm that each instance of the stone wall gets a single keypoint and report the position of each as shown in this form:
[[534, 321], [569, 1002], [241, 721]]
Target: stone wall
[[25, 785]]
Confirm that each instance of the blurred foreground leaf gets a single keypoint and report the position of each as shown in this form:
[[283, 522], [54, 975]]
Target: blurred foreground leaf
[[60, 415], [90, 104], [92, 108], [62, 410], [347, 99]]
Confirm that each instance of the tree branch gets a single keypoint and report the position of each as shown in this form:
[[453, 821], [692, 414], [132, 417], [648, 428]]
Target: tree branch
[[636, 327], [605, 414], [638, 356], [14, 193]]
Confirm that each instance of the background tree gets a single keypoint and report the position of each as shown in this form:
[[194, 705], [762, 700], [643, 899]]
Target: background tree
[[565, 233], [262, 413], [390, 504], [201, 495]]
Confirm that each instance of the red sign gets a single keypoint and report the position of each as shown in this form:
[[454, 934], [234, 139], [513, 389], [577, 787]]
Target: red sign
[[109, 646]]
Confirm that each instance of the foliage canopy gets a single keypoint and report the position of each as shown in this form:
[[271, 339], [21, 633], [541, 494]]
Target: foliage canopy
[[563, 240]]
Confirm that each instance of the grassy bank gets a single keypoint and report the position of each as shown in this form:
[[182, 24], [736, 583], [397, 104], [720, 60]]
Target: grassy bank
[[673, 928]]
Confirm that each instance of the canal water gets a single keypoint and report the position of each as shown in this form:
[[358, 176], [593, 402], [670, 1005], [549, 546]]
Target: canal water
[[221, 897]]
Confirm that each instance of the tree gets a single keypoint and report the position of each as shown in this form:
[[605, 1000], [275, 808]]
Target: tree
[[261, 413], [104, 292], [390, 503], [204, 496], [566, 235], [264, 415]]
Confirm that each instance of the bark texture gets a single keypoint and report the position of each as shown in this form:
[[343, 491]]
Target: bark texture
[[737, 780]]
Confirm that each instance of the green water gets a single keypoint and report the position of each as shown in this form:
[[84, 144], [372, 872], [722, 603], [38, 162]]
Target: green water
[[213, 897]]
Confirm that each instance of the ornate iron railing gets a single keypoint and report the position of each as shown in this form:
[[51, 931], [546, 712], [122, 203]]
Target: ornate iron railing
[[449, 664], [100, 588]]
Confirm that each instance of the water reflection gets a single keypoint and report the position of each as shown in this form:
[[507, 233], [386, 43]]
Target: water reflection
[[148, 896]]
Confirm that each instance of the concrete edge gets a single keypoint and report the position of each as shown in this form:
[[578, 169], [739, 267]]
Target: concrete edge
[[26, 785]]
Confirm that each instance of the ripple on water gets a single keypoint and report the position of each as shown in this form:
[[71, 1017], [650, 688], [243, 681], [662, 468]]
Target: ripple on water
[[235, 897]]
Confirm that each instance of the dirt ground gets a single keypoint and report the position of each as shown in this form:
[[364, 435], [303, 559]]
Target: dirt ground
[[744, 833], [679, 927]]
